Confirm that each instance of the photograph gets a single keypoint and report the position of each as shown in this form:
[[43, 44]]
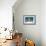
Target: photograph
[[29, 19]]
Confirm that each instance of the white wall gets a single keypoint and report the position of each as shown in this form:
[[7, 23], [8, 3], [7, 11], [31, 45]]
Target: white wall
[[43, 22], [31, 7], [6, 13]]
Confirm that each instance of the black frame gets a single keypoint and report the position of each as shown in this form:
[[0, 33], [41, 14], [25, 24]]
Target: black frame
[[32, 22]]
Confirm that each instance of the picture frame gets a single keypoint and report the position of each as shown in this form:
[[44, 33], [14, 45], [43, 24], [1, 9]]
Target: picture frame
[[29, 19]]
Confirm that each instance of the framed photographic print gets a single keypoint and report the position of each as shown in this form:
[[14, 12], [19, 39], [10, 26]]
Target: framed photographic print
[[29, 19]]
